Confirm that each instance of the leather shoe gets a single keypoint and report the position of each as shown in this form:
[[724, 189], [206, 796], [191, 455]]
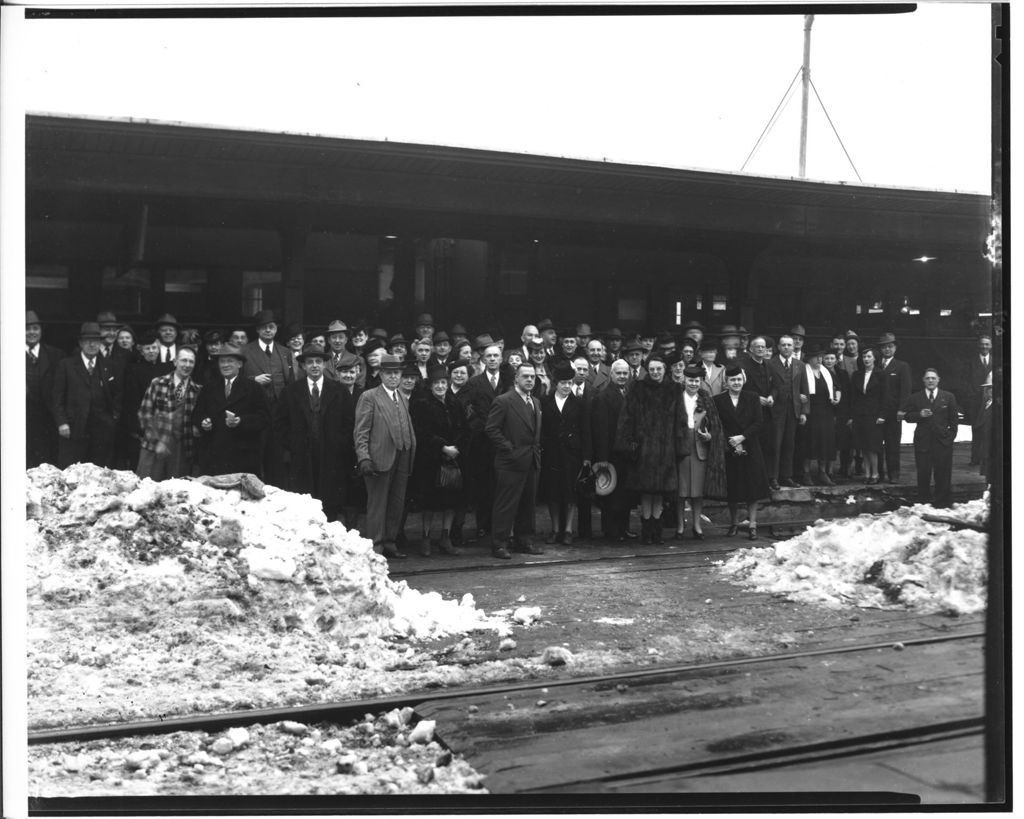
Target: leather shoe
[[528, 548], [679, 536], [774, 485], [731, 531], [790, 483], [501, 553], [566, 539], [392, 553]]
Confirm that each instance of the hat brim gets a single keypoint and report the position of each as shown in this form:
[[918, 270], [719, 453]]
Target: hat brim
[[606, 478]]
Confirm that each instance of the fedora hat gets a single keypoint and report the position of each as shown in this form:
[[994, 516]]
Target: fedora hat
[[798, 330], [391, 362], [459, 330], [90, 329], [693, 325], [545, 324], [410, 370], [614, 333], [379, 332], [337, 326], [311, 350], [632, 347], [728, 330], [482, 342], [398, 338], [887, 338], [31, 317], [229, 349], [106, 317], [441, 336], [424, 319], [583, 329], [264, 317], [607, 479]]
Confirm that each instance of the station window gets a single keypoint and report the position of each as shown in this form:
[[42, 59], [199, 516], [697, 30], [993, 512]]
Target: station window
[[258, 290], [719, 303], [126, 292], [632, 310], [185, 291]]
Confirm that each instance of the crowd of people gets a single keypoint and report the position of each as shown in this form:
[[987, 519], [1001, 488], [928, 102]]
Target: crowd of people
[[441, 423]]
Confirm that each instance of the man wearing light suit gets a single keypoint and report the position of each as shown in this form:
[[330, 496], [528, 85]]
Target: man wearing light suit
[[513, 427], [385, 445]]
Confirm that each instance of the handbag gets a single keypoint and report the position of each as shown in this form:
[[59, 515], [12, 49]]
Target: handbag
[[449, 476], [586, 482]]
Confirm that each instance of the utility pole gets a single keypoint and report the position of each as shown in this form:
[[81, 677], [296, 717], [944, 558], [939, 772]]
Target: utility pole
[[806, 78]]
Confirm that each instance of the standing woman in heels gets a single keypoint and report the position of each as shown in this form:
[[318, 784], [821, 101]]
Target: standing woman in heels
[[867, 393], [740, 413], [700, 448]]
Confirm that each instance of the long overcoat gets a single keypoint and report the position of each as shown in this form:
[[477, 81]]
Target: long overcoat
[[438, 424], [646, 431]]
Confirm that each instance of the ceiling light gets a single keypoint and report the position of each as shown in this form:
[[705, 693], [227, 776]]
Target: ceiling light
[[923, 259]]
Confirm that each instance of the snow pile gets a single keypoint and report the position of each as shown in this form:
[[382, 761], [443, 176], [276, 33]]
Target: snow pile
[[896, 560], [104, 538], [202, 592]]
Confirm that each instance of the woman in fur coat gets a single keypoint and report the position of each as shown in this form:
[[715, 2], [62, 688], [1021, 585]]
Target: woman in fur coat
[[646, 433]]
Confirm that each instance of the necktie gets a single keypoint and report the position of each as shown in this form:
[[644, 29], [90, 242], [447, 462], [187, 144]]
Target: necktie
[[494, 382], [394, 397], [179, 391], [314, 398], [32, 355], [90, 366], [931, 396], [267, 350], [227, 388], [623, 391], [984, 360], [529, 403]]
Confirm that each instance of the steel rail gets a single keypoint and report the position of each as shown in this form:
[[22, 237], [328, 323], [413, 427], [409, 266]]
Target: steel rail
[[345, 711], [788, 756]]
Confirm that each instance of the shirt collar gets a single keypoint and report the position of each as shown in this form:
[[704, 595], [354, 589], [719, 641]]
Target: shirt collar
[[310, 382], [85, 359], [33, 348]]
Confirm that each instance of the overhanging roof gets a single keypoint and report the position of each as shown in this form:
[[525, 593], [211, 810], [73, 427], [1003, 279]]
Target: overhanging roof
[[330, 181]]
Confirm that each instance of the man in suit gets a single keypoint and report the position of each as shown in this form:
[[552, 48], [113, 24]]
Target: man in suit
[[442, 349], [936, 415], [295, 339], [605, 411], [314, 423], [231, 413], [788, 412], [599, 374], [269, 365], [634, 355], [581, 384], [979, 367], [86, 403], [897, 375], [385, 446], [513, 427], [613, 340], [40, 366], [165, 421], [167, 331], [759, 382], [548, 335], [530, 333], [483, 389]]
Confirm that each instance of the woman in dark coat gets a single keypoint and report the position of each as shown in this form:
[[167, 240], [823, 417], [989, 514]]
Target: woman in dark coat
[[821, 392], [700, 449], [646, 433], [442, 434], [740, 413], [565, 444], [459, 372], [866, 410], [841, 388]]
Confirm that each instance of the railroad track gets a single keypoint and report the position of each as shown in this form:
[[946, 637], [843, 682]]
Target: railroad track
[[353, 710]]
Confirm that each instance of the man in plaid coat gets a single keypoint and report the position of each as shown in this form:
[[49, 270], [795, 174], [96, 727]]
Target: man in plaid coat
[[165, 418]]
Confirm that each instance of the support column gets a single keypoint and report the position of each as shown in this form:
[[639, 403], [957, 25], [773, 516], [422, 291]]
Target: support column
[[294, 239]]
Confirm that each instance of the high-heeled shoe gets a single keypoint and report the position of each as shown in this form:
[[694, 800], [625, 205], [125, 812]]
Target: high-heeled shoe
[[732, 530], [752, 534], [698, 535], [679, 536]]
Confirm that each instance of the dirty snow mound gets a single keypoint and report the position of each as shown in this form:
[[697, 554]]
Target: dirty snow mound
[[895, 560], [180, 583]]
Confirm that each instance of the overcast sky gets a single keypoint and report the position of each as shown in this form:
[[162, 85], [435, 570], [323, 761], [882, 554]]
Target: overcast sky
[[910, 94]]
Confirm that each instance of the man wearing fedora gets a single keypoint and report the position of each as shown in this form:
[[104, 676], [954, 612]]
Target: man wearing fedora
[[40, 367], [424, 327], [167, 436], [548, 335], [269, 365], [337, 339], [605, 411], [633, 353], [613, 340], [231, 414], [86, 403], [314, 423], [897, 374], [979, 367], [385, 446], [167, 331]]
